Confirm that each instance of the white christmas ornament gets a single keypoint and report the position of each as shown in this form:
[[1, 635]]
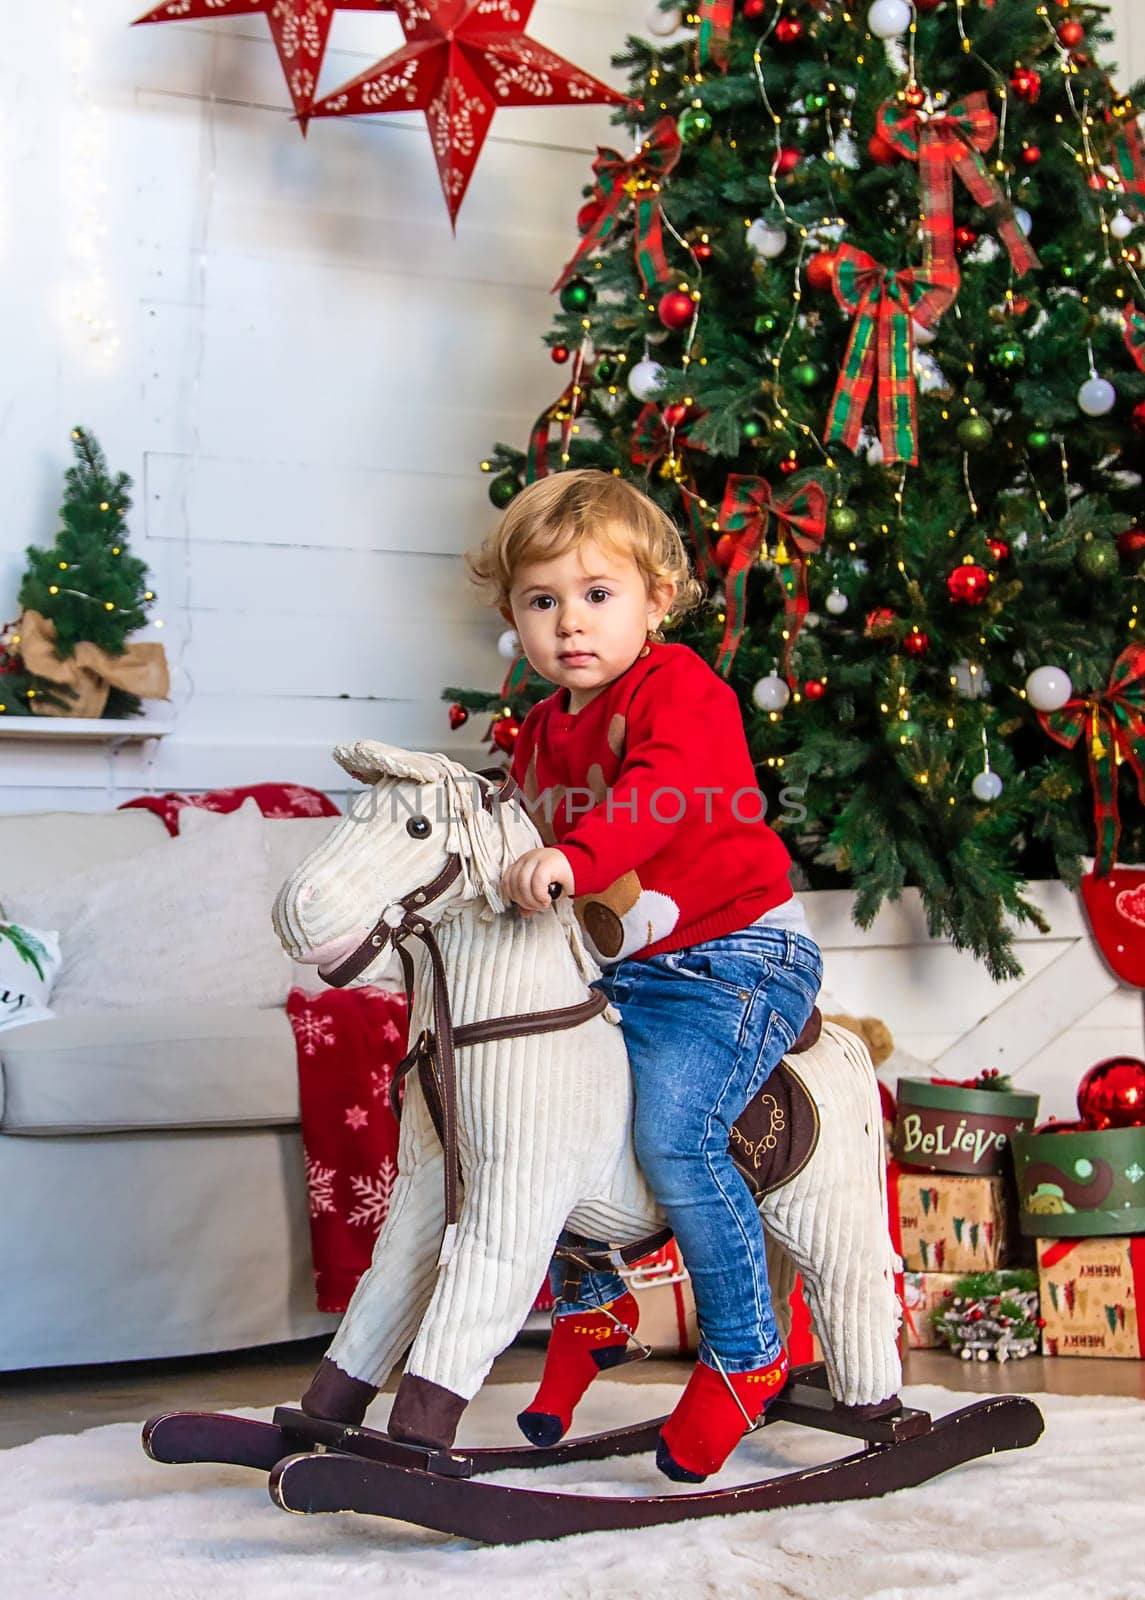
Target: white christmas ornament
[[509, 644], [646, 379], [1024, 220], [876, 455], [888, 18], [837, 602], [987, 785], [1121, 226], [1048, 688], [663, 23], [771, 693], [1097, 397], [766, 240], [970, 681]]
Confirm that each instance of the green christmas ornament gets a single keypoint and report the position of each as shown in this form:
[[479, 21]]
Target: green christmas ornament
[[577, 295], [844, 521], [975, 433], [1096, 557], [606, 369], [815, 101], [906, 730], [805, 374], [504, 487], [694, 124], [753, 428], [1009, 356], [766, 323], [1039, 439]]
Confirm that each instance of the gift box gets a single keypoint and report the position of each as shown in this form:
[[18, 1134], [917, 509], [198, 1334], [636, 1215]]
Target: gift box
[[953, 1127], [923, 1294], [944, 1223], [1082, 1184], [1090, 1290]]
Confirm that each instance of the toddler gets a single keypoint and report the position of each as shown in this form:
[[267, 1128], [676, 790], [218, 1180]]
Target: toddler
[[637, 773]]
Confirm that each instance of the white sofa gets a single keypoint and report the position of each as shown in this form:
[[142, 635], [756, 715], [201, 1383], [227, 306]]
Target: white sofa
[[151, 1167]]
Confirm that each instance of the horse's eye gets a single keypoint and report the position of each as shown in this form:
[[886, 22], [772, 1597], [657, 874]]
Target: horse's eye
[[419, 827]]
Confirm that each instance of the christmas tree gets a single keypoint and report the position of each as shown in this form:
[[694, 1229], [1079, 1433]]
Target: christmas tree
[[88, 587], [857, 305]]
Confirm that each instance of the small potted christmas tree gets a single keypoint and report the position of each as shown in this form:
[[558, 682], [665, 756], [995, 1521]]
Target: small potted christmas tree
[[68, 653]]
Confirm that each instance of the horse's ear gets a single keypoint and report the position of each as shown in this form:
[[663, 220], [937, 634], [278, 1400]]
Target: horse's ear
[[367, 760]]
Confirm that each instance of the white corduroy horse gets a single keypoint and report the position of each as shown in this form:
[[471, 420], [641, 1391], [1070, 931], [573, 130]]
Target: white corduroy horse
[[543, 1119]]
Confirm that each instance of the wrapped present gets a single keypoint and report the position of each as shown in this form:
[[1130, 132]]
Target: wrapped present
[[941, 1222], [1090, 1290], [923, 1295], [960, 1127], [991, 1314], [1081, 1184]]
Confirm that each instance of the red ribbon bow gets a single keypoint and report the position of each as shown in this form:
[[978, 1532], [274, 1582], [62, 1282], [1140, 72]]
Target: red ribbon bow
[[747, 508], [639, 180]]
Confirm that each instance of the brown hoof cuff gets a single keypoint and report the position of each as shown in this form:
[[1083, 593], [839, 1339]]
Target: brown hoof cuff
[[425, 1413], [333, 1396]]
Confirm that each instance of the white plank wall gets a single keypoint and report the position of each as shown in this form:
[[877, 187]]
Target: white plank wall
[[302, 370]]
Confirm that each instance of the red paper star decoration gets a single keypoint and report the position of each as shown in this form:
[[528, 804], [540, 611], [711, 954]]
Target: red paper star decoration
[[300, 29], [461, 60]]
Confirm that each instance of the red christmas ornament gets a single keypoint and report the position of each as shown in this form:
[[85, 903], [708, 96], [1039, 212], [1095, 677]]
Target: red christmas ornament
[[462, 59], [788, 30], [675, 415], [1026, 84], [1071, 34], [1031, 155], [1112, 1094], [560, 354], [1019, 305], [927, 5], [675, 309], [788, 465], [505, 731], [917, 643], [879, 622], [814, 689], [881, 151], [999, 549], [821, 270], [968, 585], [1131, 542], [964, 239], [914, 95], [789, 159], [702, 251], [1137, 416], [588, 214], [458, 716], [753, 9], [725, 550], [299, 28]]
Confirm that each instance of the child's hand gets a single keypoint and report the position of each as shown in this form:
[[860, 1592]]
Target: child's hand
[[526, 881]]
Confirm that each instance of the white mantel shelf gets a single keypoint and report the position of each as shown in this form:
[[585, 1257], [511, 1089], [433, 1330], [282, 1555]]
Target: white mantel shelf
[[84, 730]]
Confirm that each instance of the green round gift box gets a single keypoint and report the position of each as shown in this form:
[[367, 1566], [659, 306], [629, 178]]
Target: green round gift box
[[1002, 1112], [1081, 1185]]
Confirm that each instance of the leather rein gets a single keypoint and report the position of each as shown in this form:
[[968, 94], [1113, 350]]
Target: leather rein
[[434, 1052]]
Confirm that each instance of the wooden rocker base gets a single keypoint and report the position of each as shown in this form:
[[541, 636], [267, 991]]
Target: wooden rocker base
[[323, 1466]]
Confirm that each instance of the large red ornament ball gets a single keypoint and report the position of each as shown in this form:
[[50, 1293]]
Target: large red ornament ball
[[675, 415], [788, 30], [814, 689], [505, 731], [968, 585], [821, 270], [789, 159], [1071, 34], [560, 354], [881, 151], [1026, 84], [458, 716], [753, 9], [1131, 543], [1138, 417], [1112, 1094], [588, 214], [675, 309], [916, 644]]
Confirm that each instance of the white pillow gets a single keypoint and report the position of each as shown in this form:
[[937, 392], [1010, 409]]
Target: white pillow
[[185, 923], [29, 962]]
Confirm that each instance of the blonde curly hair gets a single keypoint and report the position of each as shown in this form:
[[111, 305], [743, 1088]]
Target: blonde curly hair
[[558, 513]]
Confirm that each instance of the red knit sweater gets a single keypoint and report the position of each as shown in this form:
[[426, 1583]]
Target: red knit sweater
[[650, 792]]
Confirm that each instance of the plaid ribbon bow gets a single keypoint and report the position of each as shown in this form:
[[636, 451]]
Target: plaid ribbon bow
[[1129, 158], [945, 142], [1134, 325], [748, 506], [714, 33], [883, 303], [1114, 726], [563, 409], [638, 179], [652, 438]]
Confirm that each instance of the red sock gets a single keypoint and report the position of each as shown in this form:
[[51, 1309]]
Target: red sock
[[707, 1424], [582, 1344]]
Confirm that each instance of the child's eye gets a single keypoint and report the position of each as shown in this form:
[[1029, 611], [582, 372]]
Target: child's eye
[[535, 601], [603, 592]]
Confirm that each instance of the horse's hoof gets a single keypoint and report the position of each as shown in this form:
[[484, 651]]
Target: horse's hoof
[[540, 1427], [333, 1396], [425, 1413]]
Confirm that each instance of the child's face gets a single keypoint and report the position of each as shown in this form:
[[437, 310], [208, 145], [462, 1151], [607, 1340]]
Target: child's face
[[583, 617]]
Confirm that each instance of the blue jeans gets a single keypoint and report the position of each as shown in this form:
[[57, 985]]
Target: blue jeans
[[705, 1027]]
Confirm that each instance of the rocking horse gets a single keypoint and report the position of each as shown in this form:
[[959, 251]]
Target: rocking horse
[[516, 1143]]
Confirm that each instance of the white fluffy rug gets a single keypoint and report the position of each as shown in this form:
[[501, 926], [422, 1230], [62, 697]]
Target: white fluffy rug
[[88, 1515]]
